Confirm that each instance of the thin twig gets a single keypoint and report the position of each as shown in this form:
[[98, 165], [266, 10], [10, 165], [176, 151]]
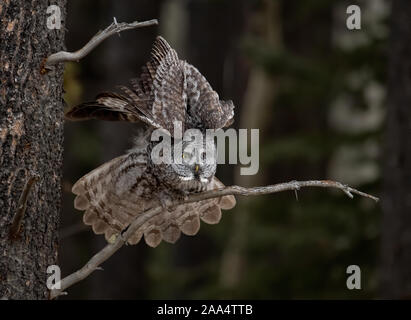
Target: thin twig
[[21, 208], [111, 248], [115, 27]]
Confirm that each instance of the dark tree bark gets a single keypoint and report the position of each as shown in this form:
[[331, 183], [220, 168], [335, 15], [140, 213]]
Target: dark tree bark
[[31, 140], [396, 204]]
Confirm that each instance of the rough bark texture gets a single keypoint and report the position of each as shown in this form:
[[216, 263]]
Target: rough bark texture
[[396, 236], [31, 137]]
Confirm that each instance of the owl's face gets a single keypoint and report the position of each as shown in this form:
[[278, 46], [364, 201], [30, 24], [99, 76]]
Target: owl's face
[[192, 169], [187, 166], [198, 162]]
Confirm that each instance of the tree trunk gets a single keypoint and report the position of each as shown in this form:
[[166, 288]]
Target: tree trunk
[[396, 204], [31, 139], [257, 101]]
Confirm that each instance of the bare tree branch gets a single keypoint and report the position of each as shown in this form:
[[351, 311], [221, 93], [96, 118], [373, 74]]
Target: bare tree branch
[[111, 248], [64, 56]]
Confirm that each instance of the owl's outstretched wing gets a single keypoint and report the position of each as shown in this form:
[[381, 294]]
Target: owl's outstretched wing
[[185, 218], [155, 98], [168, 90], [114, 194], [204, 107]]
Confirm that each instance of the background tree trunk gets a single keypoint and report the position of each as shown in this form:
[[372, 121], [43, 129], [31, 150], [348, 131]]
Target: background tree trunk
[[257, 103], [396, 204], [31, 142]]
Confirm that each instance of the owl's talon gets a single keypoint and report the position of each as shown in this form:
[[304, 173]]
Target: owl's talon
[[112, 239]]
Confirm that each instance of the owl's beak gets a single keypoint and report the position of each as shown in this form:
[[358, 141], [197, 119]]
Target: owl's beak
[[196, 168]]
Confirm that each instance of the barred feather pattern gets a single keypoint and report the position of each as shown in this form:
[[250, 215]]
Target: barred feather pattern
[[168, 90], [114, 194]]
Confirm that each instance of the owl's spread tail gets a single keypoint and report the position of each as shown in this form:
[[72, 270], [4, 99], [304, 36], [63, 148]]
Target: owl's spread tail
[[109, 210], [185, 219]]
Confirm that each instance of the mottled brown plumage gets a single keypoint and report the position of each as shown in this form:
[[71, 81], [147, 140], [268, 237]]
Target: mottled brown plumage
[[115, 193], [168, 89]]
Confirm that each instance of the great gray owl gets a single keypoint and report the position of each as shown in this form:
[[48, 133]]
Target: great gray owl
[[112, 195]]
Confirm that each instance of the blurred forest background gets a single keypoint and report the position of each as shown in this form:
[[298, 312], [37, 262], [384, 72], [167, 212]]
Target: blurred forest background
[[316, 91]]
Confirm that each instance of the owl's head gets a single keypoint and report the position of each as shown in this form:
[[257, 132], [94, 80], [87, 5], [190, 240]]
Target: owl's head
[[198, 161], [192, 166]]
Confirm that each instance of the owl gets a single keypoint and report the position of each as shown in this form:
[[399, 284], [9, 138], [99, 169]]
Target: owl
[[168, 90]]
